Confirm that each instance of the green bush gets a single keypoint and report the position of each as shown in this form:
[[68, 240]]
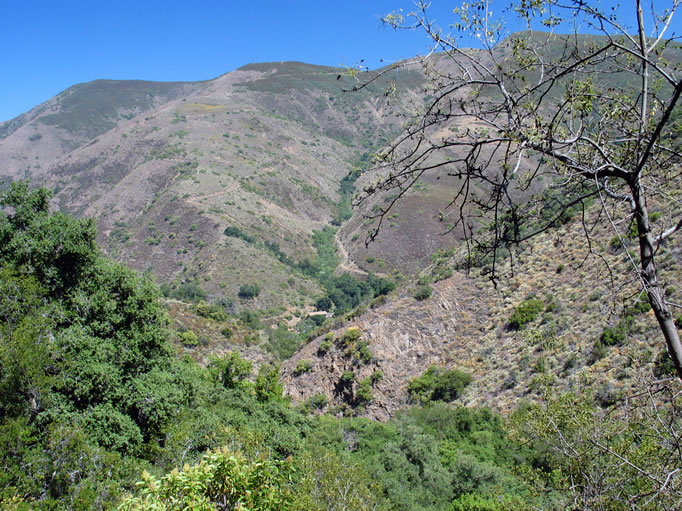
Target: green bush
[[438, 384], [477, 502], [324, 347], [250, 319], [349, 337], [331, 481], [540, 365], [268, 386], [525, 312], [87, 339], [236, 232], [210, 311], [613, 336], [363, 353], [615, 243], [249, 291], [630, 431], [317, 402], [187, 291], [364, 394], [380, 286], [348, 377], [324, 304], [189, 338], [224, 478], [231, 371], [423, 292], [303, 366], [347, 292]]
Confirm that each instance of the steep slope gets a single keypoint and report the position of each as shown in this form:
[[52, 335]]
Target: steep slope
[[590, 332], [406, 241], [31, 142], [167, 168]]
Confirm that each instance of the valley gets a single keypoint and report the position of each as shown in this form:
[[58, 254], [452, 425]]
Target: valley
[[225, 185], [195, 271]]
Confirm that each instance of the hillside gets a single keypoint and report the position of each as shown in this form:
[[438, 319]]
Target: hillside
[[166, 168], [262, 354], [465, 324], [239, 183]]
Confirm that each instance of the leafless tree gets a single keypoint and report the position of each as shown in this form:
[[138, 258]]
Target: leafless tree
[[534, 125]]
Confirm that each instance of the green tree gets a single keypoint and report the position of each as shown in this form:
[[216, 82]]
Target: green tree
[[83, 339], [586, 117], [437, 384], [616, 460], [330, 482], [525, 312], [248, 291], [222, 479], [232, 370], [55, 248], [24, 344], [268, 386]]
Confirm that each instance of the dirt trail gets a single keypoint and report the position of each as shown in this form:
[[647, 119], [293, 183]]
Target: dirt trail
[[346, 265], [195, 200]]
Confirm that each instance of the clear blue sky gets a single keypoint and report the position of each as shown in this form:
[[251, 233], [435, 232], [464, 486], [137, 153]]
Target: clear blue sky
[[49, 45]]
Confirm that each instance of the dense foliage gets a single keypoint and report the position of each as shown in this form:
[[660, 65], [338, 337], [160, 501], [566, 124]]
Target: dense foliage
[[525, 312], [85, 370], [438, 384], [224, 478], [625, 459]]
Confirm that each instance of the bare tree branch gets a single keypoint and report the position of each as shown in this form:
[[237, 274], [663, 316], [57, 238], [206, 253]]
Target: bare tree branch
[[594, 112]]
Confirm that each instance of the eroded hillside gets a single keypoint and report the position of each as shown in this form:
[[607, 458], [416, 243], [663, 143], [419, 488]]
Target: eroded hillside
[[585, 329]]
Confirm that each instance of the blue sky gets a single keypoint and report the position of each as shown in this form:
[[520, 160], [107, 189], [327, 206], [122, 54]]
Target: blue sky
[[50, 45]]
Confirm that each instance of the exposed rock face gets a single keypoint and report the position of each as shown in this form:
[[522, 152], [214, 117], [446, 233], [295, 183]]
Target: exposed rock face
[[405, 337]]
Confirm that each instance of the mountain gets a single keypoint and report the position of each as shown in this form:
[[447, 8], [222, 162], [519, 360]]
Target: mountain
[[74, 118], [166, 168], [227, 185]]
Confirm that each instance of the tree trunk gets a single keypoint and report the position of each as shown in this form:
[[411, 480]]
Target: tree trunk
[[650, 278]]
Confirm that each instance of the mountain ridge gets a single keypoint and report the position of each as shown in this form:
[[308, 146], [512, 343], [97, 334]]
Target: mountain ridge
[[168, 173], [224, 185]]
